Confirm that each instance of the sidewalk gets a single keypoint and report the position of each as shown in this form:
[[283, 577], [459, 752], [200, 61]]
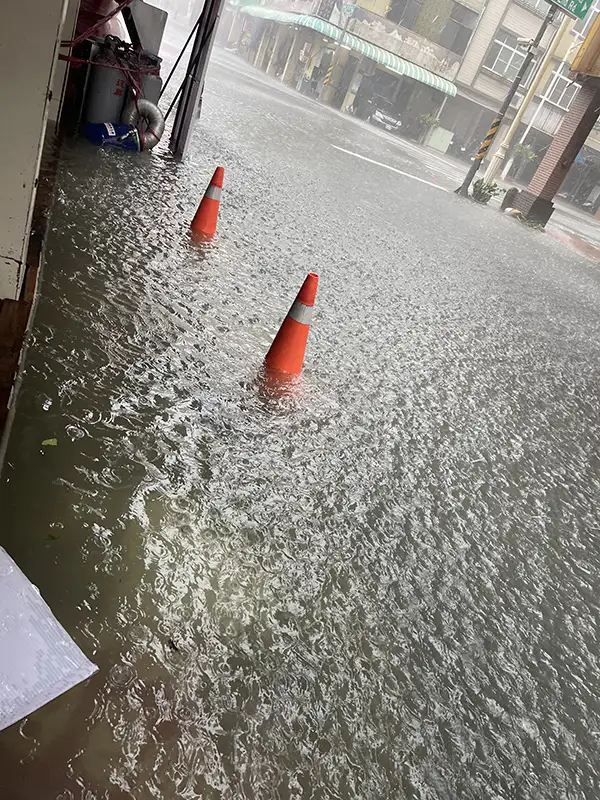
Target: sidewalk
[[566, 217], [569, 225], [561, 205]]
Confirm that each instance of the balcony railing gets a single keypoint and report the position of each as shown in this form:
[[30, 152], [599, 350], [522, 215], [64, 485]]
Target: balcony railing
[[540, 9], [296, 6], [404, 43], [388, 35]]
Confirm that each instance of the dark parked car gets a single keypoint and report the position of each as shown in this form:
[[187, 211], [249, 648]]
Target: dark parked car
[[384, 115]]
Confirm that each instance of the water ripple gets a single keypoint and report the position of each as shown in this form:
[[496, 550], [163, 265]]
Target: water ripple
[[382, 584]]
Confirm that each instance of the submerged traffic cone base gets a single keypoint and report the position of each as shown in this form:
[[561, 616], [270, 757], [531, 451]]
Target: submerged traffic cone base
[[204, 224], [286, 354]]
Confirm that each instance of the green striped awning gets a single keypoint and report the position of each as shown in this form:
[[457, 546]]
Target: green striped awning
[[385, 58]]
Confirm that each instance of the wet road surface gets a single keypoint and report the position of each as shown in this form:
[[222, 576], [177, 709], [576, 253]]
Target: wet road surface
[[385, 586]]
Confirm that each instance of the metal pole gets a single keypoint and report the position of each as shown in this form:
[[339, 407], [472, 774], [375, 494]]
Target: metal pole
[[500, 154], [497, 121], [193, 86]]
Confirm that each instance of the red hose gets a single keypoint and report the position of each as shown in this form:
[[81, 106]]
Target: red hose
[[78, 62]]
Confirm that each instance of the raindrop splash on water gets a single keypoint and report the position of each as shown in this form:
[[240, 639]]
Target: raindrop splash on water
[[380, 584]]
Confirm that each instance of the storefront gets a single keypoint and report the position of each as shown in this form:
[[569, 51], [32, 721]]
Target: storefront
[[336, 66]]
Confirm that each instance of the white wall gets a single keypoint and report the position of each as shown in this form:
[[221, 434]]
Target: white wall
[[481, 39], [522, 22], [497, 14], [491, 87], [60, 71], [30, 31], [547, 120]]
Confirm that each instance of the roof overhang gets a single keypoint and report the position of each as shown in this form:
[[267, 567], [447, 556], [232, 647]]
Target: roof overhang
[[384, 58]]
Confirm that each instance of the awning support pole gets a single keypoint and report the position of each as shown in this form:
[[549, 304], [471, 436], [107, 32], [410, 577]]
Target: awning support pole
[[190, 104]]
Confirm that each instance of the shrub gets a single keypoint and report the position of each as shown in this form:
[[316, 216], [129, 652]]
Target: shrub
[[524, 152], [483, 192]]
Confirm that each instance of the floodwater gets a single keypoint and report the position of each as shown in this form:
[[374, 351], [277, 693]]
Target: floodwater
[[383, 585]]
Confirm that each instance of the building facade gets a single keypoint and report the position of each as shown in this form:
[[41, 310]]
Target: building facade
[[491, 63], [489, 66], [404, 53], [443, 67]]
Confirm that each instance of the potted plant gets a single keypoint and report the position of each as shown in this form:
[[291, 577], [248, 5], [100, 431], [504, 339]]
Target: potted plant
[[427, 123], [523, 154]]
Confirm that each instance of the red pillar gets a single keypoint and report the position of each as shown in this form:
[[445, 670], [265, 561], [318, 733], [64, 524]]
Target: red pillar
[[535, 202]]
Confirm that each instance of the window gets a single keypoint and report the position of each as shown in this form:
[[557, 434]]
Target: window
[[405, 12], [505, 58], [582, 26], [456, 33], [560, 90]]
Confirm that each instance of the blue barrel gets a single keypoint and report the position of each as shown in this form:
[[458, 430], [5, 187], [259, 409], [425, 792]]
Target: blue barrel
[[112, 134]]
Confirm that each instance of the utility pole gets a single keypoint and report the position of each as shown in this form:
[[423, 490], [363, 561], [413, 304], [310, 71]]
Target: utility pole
[[348, 11], [497, 121], [500, 154], [192, 88]]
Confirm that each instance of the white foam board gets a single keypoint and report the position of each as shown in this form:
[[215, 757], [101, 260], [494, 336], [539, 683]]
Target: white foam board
[[38, 659]]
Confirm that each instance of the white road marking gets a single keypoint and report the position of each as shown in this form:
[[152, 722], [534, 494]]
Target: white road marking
[[392, 169]]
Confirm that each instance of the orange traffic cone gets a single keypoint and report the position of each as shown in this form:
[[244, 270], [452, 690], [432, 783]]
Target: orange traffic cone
[[286, 354], [204, 224]]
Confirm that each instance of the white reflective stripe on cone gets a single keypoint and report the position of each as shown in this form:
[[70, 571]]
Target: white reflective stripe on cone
[[213, 192], [301, 312]]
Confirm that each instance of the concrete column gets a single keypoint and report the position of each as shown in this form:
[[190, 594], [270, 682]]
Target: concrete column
[[338, 63], [502, 131], [279, 37], [351, 93], [262, 47], [235, 31], [291, 64], [507, 167], [29, 37], [535, 202], [314, 56]]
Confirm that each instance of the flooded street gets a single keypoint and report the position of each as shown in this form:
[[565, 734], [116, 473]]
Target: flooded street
[[384, 586]]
